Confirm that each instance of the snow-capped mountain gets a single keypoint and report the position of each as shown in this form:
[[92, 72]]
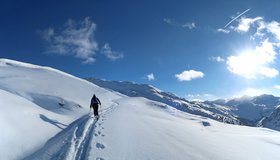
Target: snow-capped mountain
[[272, 121], [251, 110], [213, 111], [44, 114]]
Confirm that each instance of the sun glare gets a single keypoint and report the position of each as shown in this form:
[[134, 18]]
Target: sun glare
[[254, 62], [246, 63], [252, 92]]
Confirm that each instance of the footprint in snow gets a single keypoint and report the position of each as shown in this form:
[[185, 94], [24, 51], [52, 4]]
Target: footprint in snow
[[205, 124], [100, 146]]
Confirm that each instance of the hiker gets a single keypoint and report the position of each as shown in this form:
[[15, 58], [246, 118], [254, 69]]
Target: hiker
[[95, 102]]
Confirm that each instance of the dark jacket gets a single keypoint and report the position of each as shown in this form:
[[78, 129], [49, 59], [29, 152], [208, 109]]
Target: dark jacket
[[94, 101]]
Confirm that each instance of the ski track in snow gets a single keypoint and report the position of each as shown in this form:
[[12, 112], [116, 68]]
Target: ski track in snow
[[74, 142]]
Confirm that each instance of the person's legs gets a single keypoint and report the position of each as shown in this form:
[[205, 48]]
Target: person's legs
[[95, 108]]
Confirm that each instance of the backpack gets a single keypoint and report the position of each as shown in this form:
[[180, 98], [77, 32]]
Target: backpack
[[94, 100]]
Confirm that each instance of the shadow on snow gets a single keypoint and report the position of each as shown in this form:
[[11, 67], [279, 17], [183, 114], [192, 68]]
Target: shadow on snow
[[52, 121], [72, 142]]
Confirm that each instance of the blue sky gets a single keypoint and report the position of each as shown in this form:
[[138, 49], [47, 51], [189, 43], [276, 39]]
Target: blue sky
[[176, 45]]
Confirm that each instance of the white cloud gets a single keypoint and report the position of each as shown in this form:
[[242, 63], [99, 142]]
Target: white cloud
[[245, 23], [189, 75], [277, 86], [150, 77], [189, 25], [253, 63], [259, 61], [201, 97], [109, 53], [47, 34], [217, 59], [239, 15], [89, 60], [223, 30], [252, 92], [234, 18], [269, 72], [74, 39], [167, 20], [274, 28], [269, 27]]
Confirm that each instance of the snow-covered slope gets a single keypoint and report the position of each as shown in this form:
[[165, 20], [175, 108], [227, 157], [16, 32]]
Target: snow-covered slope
[[137, 128], [37, 102], [44, 115], [211, 110], [151, 131]]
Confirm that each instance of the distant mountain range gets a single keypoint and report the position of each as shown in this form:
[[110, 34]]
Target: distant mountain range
[[261, 110]]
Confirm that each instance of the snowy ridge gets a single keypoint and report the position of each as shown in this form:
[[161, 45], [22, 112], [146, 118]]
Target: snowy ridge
[[272, 121], [213, 111], [8, 62], [45, 115], [245, 110], [251, 110]]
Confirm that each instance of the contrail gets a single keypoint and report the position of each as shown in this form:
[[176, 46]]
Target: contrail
[[236, 17]]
